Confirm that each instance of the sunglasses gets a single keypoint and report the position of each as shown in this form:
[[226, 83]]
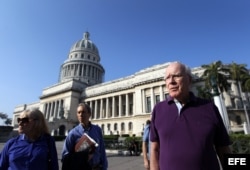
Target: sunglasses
[[23, 120]]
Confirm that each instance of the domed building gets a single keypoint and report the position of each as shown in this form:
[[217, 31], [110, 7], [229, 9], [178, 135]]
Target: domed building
[[58, 102], [120, 106], [83, 63]]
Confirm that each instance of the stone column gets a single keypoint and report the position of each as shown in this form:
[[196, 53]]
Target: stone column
[[96, 109], [107, 107], [83, 71], [57, 109], [87, 70], [152, 98], [133, 109], [95, 77], [143, 100], [46, 110], [120, 106], [91, 106], [60, 107], [113, 106], [49, 113], [161, 93], [127, 105], [101, 108]]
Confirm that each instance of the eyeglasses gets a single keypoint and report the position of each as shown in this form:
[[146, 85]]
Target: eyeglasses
[[23, 120], [176, 77]]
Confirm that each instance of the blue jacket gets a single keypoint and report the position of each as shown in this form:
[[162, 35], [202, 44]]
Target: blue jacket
[[146, 138], [20, 153], [94, 132]]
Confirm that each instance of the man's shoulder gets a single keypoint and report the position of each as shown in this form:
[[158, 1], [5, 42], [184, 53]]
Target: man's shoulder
[[161, 104], [95, 126], [195, 99], [202, 101], [75, 130]]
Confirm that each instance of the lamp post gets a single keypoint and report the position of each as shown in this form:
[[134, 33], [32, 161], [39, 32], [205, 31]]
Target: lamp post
[[219, 103]]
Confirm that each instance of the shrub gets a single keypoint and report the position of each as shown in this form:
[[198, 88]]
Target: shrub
[[240, 143]]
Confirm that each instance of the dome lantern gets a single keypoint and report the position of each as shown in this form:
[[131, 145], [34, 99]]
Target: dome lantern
[[86, 35]]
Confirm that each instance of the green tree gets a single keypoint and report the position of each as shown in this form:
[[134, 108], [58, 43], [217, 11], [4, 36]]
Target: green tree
[[245, 82], [239, 73], [4, 117], [204, 92], [216, 77], [217, 71]]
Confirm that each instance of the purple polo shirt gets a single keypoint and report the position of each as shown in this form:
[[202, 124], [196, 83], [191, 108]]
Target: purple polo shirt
[[187, 140]]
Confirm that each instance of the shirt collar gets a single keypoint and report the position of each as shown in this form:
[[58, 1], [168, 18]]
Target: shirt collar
[[88, 128], [192, 98]]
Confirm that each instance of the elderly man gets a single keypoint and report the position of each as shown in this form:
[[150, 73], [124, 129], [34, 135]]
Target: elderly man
[[186, 132]]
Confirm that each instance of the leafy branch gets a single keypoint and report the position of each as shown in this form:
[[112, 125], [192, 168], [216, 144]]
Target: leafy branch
[[6, 119]]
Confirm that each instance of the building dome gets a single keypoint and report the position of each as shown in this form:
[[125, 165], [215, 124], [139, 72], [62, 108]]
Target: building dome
[[83, 63], [85, 44]]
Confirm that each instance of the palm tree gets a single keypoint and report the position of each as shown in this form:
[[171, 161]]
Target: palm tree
[[239, 73], [215, 77], [246, 83], [203, 92], [219, 73]]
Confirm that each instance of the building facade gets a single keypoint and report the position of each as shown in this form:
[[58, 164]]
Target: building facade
[[119, 107]]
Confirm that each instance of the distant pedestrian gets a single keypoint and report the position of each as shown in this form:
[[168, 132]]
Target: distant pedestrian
[[133, 147], [146, 145]]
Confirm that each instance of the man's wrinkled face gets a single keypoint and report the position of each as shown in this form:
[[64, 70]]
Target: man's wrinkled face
[[177, 81]]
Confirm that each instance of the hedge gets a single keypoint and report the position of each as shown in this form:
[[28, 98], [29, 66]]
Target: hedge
[[240, 143]]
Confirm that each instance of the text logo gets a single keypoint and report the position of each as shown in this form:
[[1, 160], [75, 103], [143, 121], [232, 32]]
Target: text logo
[[236, 161]]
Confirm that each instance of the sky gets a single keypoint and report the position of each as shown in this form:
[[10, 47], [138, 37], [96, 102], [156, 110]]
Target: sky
[[36, 37]]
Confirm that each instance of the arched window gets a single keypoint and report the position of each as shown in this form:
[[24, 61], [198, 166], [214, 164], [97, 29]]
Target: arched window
[[122, 126], [109, 127], [130, 126], [115, 126]]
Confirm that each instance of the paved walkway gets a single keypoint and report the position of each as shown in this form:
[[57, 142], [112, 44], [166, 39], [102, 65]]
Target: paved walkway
[[115, 161]]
